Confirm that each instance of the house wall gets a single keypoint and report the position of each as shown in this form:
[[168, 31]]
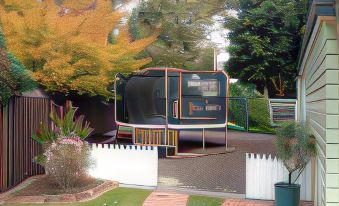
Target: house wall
[[320, 81]]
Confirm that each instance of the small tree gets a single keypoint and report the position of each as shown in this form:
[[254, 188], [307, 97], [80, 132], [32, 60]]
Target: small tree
[[295, 147]]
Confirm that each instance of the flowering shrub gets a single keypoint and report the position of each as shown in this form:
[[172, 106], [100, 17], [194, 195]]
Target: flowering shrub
[[66, 156], [67, 161]]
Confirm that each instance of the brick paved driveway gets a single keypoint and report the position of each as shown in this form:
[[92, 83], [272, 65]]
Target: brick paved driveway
[[218, 173]]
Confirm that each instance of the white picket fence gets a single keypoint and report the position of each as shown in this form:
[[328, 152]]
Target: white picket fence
[[135, 165], [263, 171]]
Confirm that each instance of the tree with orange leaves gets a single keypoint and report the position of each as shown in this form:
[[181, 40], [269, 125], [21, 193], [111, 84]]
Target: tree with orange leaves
[[67, 46]]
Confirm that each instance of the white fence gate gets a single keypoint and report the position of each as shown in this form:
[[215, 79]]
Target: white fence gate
[[136, 165], [262, 172]]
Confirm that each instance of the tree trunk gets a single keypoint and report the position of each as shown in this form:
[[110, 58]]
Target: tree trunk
[[266, 92]]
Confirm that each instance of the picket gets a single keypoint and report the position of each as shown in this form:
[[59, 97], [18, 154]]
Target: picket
[[263, 171]]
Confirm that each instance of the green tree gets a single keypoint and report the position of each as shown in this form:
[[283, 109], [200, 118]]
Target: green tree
[[264, 43], [182, 42]]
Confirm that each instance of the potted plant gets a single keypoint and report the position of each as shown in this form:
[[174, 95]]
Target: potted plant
[[295, 148]]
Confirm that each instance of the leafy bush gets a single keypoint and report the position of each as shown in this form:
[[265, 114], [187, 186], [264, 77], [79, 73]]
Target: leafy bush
[[66, 156], [295, 147]]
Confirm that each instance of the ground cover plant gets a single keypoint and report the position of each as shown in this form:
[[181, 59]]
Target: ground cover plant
[[66, 156]]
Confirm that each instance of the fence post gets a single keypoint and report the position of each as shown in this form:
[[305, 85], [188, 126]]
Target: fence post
[[246, 112]]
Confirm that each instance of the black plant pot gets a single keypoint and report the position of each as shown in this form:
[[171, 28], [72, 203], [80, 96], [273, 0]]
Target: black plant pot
[[287, 194]]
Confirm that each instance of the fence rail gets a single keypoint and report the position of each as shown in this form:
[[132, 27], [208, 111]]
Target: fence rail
[[263, 171]]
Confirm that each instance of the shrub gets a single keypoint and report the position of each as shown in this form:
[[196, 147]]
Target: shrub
[[67, 161], [66, 156], [295, 147]]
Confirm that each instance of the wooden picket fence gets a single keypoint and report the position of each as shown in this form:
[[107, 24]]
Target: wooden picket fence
[[263, 171]]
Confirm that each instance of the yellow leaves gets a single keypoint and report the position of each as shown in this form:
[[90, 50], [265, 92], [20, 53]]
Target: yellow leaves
[[66, 46]]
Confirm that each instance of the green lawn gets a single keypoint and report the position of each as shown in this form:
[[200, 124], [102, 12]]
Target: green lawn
[[116, 197], [195, 200]]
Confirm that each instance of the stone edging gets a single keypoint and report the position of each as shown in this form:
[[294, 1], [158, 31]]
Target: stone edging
[[63, 198]]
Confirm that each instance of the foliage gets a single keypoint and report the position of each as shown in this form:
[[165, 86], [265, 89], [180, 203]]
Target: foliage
[[295, 146], [240, 89], [183, 25], [68, 126], [264, 43], [259, 114], [66, 45], [258, 107], [13, 77]]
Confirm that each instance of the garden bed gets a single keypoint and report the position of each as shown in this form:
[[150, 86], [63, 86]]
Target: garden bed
[[44, 186], [43, 190]]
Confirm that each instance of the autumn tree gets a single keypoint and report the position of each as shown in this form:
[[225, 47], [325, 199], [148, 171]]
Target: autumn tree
[[66, 45]]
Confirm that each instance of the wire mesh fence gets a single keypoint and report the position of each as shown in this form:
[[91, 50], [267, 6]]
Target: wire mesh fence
[[238, 113]]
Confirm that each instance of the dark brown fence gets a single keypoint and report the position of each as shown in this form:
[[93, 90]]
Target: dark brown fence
[[18, 120]]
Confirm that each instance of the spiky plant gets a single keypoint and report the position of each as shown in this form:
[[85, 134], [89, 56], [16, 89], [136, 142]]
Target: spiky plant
[[67, 126], [295, 147]]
